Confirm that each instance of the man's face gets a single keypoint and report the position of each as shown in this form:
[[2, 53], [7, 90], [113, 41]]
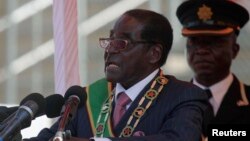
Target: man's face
[[210, 57], [126, 66]]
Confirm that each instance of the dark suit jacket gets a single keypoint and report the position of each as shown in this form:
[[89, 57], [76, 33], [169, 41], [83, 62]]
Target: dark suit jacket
[[176, 115], [229, 111]]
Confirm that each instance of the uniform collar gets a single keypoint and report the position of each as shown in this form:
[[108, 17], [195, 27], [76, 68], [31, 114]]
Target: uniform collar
[[218, 90]]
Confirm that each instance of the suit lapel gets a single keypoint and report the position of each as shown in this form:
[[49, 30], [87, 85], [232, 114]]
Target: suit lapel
[[229, 110], [156, 100], [129, 112]]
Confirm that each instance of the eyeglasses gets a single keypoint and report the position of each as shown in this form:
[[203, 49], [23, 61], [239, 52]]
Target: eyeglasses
[[119, 44]]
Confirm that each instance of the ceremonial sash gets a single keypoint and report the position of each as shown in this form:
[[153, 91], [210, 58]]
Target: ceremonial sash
[[99, 106], [97, 94]]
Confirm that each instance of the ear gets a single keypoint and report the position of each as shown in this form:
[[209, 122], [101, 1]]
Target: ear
[[155, 53], [236, 48]]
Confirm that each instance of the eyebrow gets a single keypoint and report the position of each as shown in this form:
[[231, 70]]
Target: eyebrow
[[127, 35]]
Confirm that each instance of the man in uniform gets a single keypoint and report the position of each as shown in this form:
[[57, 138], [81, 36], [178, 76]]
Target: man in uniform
[[211, 28]]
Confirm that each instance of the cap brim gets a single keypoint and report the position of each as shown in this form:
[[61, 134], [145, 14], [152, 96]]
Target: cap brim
[[217, 32]]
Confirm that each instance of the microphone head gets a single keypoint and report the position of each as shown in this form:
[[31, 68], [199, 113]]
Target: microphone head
[[54, 105], [35, 98], [76, 91]]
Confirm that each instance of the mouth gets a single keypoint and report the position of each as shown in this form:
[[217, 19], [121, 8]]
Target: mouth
[[202, 61], [111, 67], [203, 64]]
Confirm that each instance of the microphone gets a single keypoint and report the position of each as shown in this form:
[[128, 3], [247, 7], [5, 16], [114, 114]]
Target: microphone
[[54, 104], [31, 106], [75, 97], [6, 112], [53, 108]]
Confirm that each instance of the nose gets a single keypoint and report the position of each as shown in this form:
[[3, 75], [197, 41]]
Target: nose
[[202, 49], [111, 49]]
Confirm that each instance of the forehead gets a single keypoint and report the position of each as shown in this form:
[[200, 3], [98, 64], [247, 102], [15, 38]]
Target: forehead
[[127, 26]]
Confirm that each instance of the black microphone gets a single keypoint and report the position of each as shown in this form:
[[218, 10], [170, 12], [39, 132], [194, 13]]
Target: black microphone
[[30, 107], [75, 97], [6, 112], [54, 104]]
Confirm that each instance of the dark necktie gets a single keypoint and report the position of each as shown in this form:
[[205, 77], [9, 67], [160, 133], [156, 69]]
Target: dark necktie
[[209, 93], [120, 107], [209, 114]]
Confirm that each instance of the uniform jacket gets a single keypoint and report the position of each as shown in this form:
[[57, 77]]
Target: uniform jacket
[[234, 108], [231, 111]]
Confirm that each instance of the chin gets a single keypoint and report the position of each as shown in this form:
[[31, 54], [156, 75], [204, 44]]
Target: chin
[[204, 74], [112, 78], [204, 69]]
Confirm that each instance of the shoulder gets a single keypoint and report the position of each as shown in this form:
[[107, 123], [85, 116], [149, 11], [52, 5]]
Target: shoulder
[[244, 91], [178, 93], [247, 90], [184, 90], [183, 85], [244, 88]]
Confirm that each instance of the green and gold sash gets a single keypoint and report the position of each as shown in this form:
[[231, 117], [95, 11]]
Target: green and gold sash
[[100, 97], [98, 93]]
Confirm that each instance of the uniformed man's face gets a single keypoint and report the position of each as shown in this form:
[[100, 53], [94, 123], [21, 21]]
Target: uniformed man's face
[[128, 65], [210, 57]]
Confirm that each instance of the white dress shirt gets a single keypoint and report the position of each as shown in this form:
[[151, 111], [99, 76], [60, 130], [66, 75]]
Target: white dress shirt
[[134, 91], [218, 91]]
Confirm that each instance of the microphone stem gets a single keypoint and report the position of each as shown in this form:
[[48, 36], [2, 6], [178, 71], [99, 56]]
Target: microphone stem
[[70, 109], [64, 119], [59, 136]]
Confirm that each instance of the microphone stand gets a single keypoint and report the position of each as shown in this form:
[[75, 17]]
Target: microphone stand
[[69, 110], [62, 135]]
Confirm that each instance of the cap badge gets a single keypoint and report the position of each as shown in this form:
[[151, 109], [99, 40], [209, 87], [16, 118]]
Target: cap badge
[[204, 13]]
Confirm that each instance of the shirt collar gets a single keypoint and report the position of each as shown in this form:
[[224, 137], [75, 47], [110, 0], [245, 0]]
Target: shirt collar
[[134, 91], [218, 89]]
